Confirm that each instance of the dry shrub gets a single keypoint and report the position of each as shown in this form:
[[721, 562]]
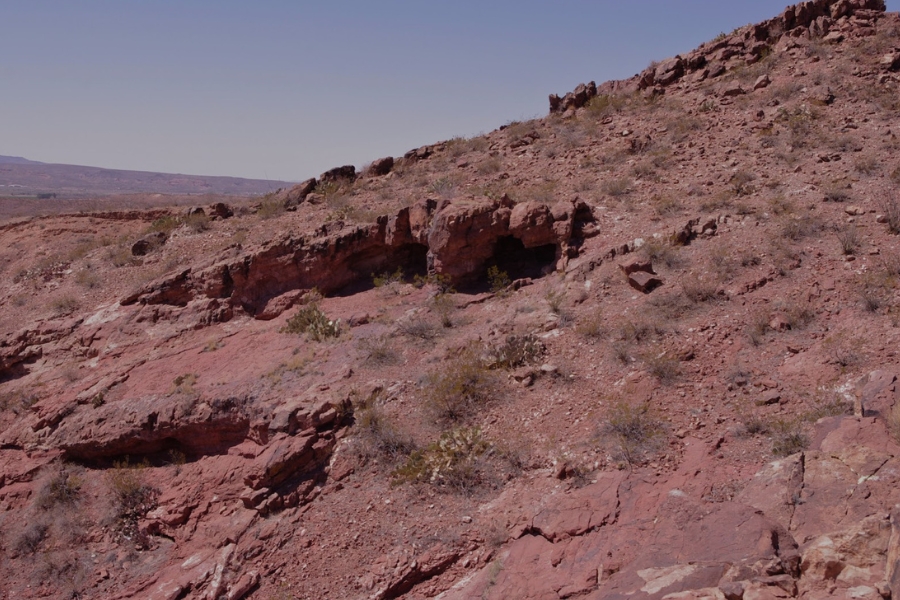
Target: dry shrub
[[133, 497], [635, 433], [757, 326], [640, 329], [797, 313], [379, 351], [87, 278], [850, 240], [788, 437], [665, 367], [742, 183], [890, 209], [591, 325], [671, 305], [698, 290], [836, 193], [64, 305], [380, 438], [893, 422], [61, 487], [876, 288], [617, 187], [660, 251], [421, 329], [460, 388], [515, 351], [844, 350]]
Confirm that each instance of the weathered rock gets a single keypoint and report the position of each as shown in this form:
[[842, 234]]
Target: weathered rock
[[761, 82], [347, 172], [382, 166], [148, 243], [299, 193], [644, 282], [637, 264], [220, 210]]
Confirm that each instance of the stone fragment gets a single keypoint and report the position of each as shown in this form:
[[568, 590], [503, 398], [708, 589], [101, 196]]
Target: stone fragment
[[644, 282], [732, 89], [761, 82]]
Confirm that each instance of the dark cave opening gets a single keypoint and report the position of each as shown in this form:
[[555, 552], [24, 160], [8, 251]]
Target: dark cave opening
[[410, 259], [512, 257]]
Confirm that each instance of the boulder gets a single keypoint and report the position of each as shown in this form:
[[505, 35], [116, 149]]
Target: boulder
[[299, 193], [381, 166], [347, 172], [644, 282], [148, 243], [220, 210]]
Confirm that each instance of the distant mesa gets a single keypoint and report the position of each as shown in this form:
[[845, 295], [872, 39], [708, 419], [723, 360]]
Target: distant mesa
[[22, 177]]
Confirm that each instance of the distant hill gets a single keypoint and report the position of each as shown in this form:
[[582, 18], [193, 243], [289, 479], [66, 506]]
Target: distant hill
[[17, 160], [23, 177]]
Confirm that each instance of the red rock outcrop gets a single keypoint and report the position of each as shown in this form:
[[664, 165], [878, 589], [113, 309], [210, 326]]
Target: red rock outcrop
[[458, 238]]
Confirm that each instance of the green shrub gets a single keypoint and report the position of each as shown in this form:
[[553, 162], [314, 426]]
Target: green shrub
[[386, 279], [310, 320], [498, 280]]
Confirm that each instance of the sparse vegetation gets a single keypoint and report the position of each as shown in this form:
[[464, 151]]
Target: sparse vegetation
[[498, 280], [850, 240], [133, 497], [379, 351], [634, 432], [516, 351], [451, 462], [379, 437], [788, 437], [310, 320], [459, 388]]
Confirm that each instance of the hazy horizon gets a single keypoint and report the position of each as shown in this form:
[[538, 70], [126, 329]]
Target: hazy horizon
[[283, 91]]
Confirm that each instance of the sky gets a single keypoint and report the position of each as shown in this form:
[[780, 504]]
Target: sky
[[285, 89]]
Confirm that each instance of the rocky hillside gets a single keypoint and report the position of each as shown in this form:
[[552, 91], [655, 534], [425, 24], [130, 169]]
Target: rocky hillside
[[644, 347]]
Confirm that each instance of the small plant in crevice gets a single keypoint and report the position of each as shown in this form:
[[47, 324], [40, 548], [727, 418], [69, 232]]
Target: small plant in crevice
[[634, 432]]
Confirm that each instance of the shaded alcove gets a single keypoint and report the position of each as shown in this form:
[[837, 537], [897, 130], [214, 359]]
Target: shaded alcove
[[411, 259], [511, 256]]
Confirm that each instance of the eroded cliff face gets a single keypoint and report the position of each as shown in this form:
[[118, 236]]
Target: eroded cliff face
[[458, 239]]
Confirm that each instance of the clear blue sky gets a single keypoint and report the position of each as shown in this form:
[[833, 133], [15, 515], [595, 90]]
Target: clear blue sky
[[286, 89]]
